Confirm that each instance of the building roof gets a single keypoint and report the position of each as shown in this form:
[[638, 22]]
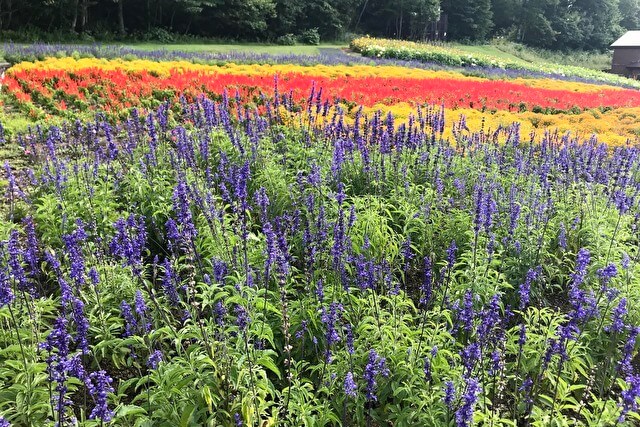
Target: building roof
[[629, 39]]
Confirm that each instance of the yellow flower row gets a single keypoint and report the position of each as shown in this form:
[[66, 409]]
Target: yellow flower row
[[164, 69], [614, 128]]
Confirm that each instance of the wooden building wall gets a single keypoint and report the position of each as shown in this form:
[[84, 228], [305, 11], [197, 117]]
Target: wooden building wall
[[622, 57]]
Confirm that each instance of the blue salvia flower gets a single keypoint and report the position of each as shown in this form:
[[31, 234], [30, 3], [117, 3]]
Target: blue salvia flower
[[82, 326], [630, 396], [242, 317], [130, 322], [582, 262], [129, 241], [57, 345], [562, 236], [466, 313], [464, 414], [94, 277], [169, 284], [330, 318], [154, 359], [237, 419], [350, 387], [348, 338], [4, 422], [15, 264], [524, 290], [427, 369], [617, 317], [470, 355], [73, 245], [449, 395], [489, 319], [99, 387], [625, 365], [219, 313], [375, 367], [607, 273], [173, 235], [624, 263], [426, 289], [6, 291], [31, 250], [141, 310], [181, 207], [451, 254]]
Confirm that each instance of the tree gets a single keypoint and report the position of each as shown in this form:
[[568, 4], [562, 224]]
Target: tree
[[468, 19], [600, 22], [630, 12]]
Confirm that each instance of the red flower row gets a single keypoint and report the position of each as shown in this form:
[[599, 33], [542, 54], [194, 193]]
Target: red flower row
[[116, 89]]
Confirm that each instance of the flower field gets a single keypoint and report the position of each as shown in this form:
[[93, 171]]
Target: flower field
[[318, 245], [67, 86]]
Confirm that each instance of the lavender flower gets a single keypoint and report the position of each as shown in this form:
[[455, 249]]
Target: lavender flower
[[4, 422]]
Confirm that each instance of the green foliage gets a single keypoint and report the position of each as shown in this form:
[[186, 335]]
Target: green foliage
[[310, 36]]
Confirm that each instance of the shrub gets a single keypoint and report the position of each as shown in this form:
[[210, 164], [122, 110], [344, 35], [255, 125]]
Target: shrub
[[310, 36], [286, 40]]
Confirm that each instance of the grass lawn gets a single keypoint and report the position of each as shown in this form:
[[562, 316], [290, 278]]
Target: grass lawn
[[489, 50]]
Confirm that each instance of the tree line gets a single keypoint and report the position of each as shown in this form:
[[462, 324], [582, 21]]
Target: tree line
[[561, 24]]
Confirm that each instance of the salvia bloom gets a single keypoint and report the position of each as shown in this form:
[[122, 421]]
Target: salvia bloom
[[617, 317], [99, 386], [582, 262], [449, 395], [242, 317], [130, 322], [376, 366], [607, 273], [154, 359], [350, 387], [464, 414], [4, 422], [427, 369], [169, 284], [6, 292], [630, 396]]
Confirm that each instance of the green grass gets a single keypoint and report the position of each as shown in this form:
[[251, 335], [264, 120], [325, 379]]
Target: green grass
[[516, 52]]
